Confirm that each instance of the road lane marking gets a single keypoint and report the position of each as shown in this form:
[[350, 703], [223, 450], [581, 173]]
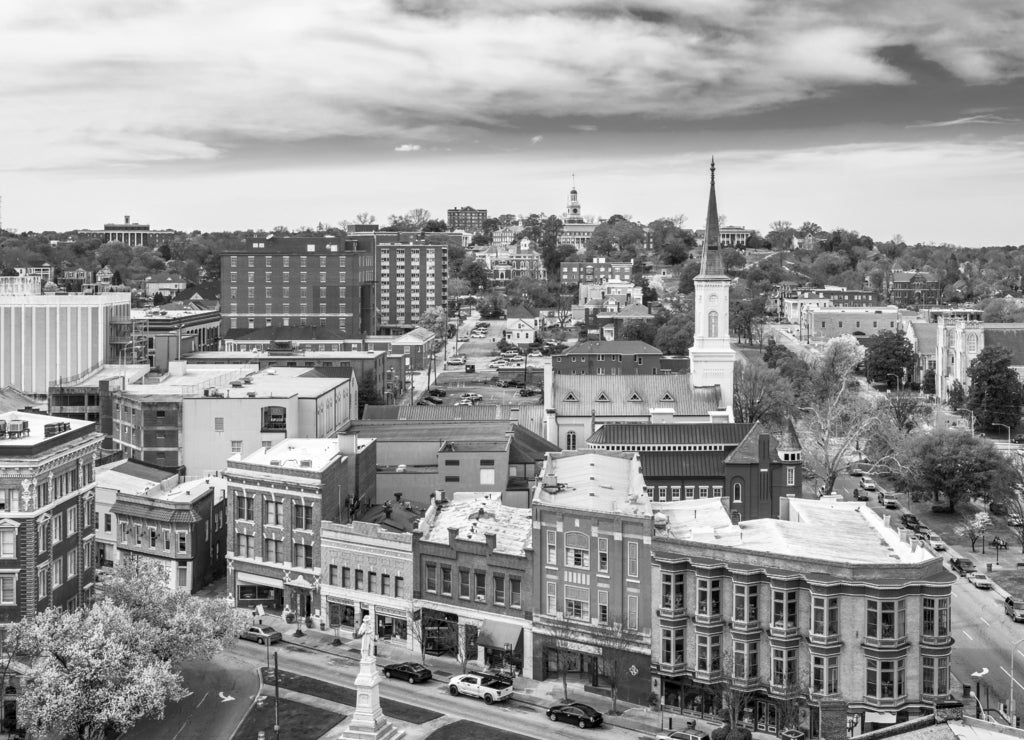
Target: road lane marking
[[967, 635], [180, 730], [985, 621], [1015, 681], [202, 700]]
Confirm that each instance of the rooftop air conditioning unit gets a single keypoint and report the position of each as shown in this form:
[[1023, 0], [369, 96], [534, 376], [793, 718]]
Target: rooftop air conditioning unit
[[275, 462], [251, 394], [305, 463], [236, 383]]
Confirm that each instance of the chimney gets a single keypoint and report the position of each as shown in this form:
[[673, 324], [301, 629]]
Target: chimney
[[492, 541], [127, 220], [453, 533]]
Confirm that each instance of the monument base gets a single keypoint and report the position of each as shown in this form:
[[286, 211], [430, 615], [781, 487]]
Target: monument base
[[368, 721]]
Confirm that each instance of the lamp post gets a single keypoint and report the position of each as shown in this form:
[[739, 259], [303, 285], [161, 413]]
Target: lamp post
[[1013, 652], [978, 675], [1007, 426], [899, 381]]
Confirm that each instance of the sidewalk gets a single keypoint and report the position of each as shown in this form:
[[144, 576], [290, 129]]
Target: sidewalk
[[540, 694]]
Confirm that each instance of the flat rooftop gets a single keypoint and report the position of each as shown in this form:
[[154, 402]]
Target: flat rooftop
[[297, 454], [131, 477], [237, 356], [834, 531], [26, 430], [280, 382], [594, 481], [131, 374], [167, 314], [477, 515], [190, 490]]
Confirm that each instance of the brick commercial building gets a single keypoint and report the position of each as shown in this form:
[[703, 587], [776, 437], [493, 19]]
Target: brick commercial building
[[824, 618], [598, 270], [297, 281], [277, 499], [822, 324], [413, 278], [47, 500], [467, 218], [608, 358]]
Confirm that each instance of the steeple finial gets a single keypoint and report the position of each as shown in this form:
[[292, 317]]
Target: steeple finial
[[712, 169]]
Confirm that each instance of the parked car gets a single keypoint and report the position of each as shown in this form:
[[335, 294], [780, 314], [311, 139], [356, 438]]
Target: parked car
[[684, 735], [910, 522], [261, 634], [1014, 609], [936, 542], [411, 672], [456, 361], [488, 688], [1015, 520], [860, 495], [439, 392], [963, 566], [858, 468], [997, 507], [888, 500], [575, 714], [464, 402], [526, 392], [980, 580], [432, 400], [536, 353], [868, 483]]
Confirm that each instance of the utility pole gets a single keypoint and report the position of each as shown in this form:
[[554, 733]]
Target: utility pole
[[277, 700]]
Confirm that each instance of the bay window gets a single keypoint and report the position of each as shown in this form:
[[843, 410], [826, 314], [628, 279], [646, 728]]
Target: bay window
[[709, 592], [887, 620], [886, 679]]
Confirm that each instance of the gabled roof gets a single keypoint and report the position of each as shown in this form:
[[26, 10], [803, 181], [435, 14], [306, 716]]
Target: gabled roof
[[615, 347], [11, 399], [746, 453], [286, 333], [906, 276], [704, 433], [1011, 339], [631, 395], [204, 291], [521, 311]]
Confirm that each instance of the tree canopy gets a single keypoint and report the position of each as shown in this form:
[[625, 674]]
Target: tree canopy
[[890, 356], [760, 393], [996, 394]]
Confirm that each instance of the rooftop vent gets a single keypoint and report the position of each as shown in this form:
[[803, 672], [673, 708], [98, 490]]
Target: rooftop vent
[[236, 383], [305, 463], [275, 462], [251, 394]]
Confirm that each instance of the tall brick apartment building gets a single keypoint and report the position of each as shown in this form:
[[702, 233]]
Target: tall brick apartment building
[[47, 499], [280, 281], [467, 218]]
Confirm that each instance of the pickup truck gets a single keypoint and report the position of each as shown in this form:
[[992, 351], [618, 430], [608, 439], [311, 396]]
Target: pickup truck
[[488, 688]]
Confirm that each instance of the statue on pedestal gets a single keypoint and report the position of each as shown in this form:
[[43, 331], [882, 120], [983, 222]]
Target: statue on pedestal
[[366, 632], [368, 721]]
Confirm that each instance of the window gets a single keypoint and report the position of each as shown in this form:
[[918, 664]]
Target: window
[[385, 584], [577, 603], [275, 419], [784, 609], [737, 492], [515, 587], [783, 667], [499, 589], [303, 556], [662, 493], [632, 612], [577, 550], [371, 581], [745, 603], [703, 490], [886, 679], [709, 601], [934, 675], [359, 579], [480, 589], [790, 475], [551, 605], [689, 491], [825, 674], [633, 559], [446, 580], [7, 540], [346, 577], [744, 660], [463, 583], [167, 540], [712, 323], [152, 537], [182, 541], [272, 512], [676, 490], [8, 594], [431, 579], [274, 551], [935, 618], [602, 554], [71, 514], [303, 517], [218, 423], [552, 543], [672, 590], [399, 587], [244, 507], [887, 620], [709, 653], [332, 575], [673, 646], [570, 440], [236, 446], [245, 546], [825, 615], [107, 522]]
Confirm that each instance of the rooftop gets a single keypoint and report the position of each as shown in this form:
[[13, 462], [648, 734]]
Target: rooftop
[[631, 395], [131, 374], [170, 311], [276, 382], [353, 354], [619, 347], [297, 454], [595, 481], [23, 430], [825, 530], [132, 477], [476, 515]]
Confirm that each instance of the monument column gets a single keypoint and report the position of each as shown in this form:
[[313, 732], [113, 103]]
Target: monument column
[[368, 721]]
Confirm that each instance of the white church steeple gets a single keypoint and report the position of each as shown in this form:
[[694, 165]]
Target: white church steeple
[[711, 356]]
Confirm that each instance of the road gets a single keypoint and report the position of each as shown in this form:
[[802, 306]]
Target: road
[[222, 691]]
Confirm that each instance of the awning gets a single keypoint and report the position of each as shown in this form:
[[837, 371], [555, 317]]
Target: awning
[[880, 718], [498, 634], [257, 580]]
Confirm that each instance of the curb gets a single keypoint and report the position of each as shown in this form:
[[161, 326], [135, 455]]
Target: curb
[[255, 698]]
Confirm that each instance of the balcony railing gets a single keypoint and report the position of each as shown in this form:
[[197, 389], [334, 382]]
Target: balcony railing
[[783, 629]]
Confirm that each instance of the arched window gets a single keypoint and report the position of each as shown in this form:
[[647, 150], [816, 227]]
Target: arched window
[[712, 323], [737, 491], [972, 342], [577, 550], [570, 441]]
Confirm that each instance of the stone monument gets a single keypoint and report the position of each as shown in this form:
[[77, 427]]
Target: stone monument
[[368, 721]]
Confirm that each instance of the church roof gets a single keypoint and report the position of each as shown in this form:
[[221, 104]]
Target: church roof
[[631, 395], [711, 256]]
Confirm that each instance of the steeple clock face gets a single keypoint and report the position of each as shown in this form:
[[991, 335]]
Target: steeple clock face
[[575, 210]]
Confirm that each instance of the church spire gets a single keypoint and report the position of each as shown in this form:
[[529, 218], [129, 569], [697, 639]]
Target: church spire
[[711, 256]]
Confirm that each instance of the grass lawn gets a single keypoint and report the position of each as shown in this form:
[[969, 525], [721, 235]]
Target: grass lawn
[[466, 730], [344, 695], [298, 721]]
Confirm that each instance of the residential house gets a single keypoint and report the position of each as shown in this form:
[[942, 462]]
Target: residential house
[[521, 324], [164, 284]]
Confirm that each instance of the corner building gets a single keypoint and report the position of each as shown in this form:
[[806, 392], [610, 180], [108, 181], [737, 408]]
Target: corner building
[[826, 617]]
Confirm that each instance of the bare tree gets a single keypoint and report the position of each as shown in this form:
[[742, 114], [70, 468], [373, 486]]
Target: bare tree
[[761, 393], [560, 638], [618, 651], [365, 218]]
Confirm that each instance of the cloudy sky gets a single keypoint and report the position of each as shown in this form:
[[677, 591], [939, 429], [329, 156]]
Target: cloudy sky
[[885, 117]]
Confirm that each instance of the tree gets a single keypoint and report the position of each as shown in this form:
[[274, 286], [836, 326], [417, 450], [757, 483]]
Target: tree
[[369, 394], [686, 275], [928, 383], [434, 320], [973, 527], [92, 671], [761, 394], [996, 394], [475, 273], [434, 225], [957, 396], [897, 416], [675, 336], [889, 354], [458, 287], [733, 261], [615, 235], [780, 235], [186, 627], [618, 651], [365, 218], [956, 466]]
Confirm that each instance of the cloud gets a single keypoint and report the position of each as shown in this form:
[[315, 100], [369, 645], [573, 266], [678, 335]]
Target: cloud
[[536, 139], [115, 81], [408, 148], [983, 118], [584, 127]]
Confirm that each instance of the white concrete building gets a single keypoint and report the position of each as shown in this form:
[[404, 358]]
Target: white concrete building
[[50, 339]]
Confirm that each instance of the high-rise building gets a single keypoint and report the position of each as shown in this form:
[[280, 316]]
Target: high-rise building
[[413, 278], [47, 554], [312, 281], [467, 218]]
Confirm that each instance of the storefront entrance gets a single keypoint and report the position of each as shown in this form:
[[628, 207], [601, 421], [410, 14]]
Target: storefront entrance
[[249, 595]]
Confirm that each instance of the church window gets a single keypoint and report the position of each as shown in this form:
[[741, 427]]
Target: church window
[[713, 323], [570, 441], [603, 397], [571, 397], [737, 491], [667, 398], [635, 398], [972, 342]]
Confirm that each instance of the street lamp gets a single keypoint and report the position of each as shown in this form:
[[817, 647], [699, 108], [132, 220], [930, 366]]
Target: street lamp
[[977, 689], [1013, 652], [899, 381], [997, 424]]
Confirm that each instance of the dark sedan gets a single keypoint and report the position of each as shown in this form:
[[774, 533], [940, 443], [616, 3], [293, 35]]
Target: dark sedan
[[411, 672], [575, 714]]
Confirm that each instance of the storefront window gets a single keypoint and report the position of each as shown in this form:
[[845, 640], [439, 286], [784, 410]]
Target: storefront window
[[341, 615]]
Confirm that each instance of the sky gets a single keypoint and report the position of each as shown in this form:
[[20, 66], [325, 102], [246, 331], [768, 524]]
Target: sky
[[888, 118]]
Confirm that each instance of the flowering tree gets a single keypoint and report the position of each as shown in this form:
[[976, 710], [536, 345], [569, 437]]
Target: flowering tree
[[973, 527]]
